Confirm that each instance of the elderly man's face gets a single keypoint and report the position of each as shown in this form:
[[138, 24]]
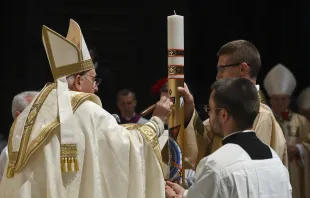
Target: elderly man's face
[[87, 82], [279, 103]]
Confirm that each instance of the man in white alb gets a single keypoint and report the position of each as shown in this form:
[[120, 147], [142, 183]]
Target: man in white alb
[[244, 166]]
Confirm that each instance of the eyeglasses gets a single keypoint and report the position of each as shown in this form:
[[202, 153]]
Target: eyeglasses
[[222, 68], [96, 81], [208, 109]]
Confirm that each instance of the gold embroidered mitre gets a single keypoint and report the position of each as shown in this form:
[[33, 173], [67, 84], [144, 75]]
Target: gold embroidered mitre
[[279, 81], [68, 55]]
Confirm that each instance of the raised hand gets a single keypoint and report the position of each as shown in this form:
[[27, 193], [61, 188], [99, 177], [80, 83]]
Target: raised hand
[[189, 104], [163, 109]]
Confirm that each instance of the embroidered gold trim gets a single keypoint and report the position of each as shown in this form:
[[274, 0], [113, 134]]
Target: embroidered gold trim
[[175, 69], [52, 128], [151, 137], [131, 126], [69, 158], [261, 97], [66, 70], [175, 52], [16, 160], [12, 155], [74, 68]]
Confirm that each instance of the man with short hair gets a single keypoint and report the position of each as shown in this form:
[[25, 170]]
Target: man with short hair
[[66, 145], [19, 103], [244, 166], [126, 103], [237, 58]]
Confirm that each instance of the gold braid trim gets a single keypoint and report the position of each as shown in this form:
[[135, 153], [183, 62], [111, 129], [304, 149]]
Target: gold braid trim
[[54, 127], [262, 97], [150, 136], [12, 155], [16, 159], [69, 161]]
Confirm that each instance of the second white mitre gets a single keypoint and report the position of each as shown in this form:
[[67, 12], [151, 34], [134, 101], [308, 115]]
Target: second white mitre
[[280, 81]]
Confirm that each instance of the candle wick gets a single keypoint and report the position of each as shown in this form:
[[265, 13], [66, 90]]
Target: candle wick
[[174, 12]]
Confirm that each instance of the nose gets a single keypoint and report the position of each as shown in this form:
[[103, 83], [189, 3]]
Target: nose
[[219, 76], [96, 88]]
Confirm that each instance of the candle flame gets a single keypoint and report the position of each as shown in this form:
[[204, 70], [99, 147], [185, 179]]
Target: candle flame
[[174, 12]]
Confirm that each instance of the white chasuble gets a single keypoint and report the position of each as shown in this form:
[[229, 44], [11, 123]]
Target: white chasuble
[[113, 162]]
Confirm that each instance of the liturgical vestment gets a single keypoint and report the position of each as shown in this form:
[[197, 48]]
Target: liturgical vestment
[[113, 161], [265, 125], [243, 167], [297, 129], [280, 83]]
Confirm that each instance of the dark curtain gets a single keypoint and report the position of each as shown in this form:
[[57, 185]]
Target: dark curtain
[[131, 37]]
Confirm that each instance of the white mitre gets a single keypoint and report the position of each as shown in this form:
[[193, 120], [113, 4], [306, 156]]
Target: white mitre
[[303, 100], [279, 81], [66, 56]]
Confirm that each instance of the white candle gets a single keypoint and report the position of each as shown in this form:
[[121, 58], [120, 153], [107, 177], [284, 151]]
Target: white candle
[[175, 43]]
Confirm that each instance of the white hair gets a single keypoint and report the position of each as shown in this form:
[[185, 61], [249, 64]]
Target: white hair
[[20, 101], [70, 81]]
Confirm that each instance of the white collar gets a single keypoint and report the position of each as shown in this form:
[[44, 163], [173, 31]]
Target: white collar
[[257, 87], [245, 131]]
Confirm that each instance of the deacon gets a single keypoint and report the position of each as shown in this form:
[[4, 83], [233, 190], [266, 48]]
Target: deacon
[[65, 145], [280, 84], [237, 58], [244, 166]]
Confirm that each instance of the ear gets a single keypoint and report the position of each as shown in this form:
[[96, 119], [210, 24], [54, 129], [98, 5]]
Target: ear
[[78, 83], [17, 114], [224, 115], [244, 69]]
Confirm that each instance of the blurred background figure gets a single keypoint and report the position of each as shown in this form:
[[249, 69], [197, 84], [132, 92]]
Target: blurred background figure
[[19, 103], [280, 84], [126, 104], [303, 103]]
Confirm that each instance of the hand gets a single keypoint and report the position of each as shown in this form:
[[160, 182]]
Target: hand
[[174, 190], [189, 104], [292, 152], [163, 109]]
